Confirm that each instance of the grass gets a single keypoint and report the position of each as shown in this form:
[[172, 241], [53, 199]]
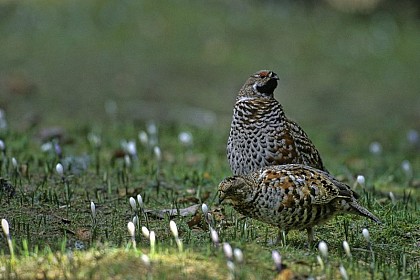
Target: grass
[[55, 236], [349, 79]]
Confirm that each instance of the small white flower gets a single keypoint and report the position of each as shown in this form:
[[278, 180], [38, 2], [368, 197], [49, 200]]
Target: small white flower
[[152, 128], [227, 249], [131, 229], [124, 145], [366, 235], [231, 266], [361, 180], [94, 140], [2, 146], [406, 167], [136, 220], [46, 147], [152, 131], [133, 204], [127, 160], [214, 236], [145, 232], [140, 201], [239, 256], [346, 248], [152, 238], [5, 226], [143, 138], [6, 230], [174, 229], [343, 272], [179, 244], [392, 197], [14, 163], [93, 209], [145, 259], [205, 209], [131, 148], [209, 219], [320, 261], [158, 153], [413, 136], [3, 122], [323, 249], [59, 168], [185, 138], [275, 255], [57, 148], [375, 148]]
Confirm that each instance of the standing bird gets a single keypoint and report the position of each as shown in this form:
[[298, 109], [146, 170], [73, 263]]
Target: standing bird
[[261, 134], [291, 196]]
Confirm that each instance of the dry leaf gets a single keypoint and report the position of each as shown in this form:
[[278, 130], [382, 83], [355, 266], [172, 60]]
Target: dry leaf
[[196, 220], [83, 234], [174, 212], [191, 199]]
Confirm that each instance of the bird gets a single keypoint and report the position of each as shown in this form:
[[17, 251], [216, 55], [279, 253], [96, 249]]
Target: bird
[[291, 197], [261, 134]]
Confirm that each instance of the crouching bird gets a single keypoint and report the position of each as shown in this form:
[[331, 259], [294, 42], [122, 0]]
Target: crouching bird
[[291, 197]]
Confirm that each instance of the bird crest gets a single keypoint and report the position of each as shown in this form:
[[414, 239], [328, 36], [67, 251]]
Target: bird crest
[[265, 74]]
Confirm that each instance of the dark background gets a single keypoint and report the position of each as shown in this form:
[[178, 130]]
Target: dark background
[[343, 65]]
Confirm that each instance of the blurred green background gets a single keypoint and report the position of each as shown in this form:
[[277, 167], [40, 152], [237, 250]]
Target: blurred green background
[[343, 65]]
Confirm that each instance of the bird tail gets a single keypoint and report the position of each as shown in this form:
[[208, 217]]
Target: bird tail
[[364, 212]]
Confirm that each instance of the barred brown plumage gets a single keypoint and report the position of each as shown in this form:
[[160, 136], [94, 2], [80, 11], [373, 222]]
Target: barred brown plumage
[[261, 134], [291, 197]]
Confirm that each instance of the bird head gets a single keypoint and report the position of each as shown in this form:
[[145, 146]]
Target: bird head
[[232, 188], [261, 84]]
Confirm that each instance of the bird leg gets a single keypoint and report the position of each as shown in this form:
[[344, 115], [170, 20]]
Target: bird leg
[[310, 232], [281, 237]]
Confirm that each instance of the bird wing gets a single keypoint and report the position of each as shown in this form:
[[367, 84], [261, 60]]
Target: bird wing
[[305, 147], [325, 187], [304, 181], [291, 144]]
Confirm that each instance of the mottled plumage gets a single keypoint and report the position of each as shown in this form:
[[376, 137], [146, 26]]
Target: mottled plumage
[[261, 134], [291, 196]]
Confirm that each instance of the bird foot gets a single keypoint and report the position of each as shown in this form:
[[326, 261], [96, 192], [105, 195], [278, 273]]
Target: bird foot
[[280, 240]]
